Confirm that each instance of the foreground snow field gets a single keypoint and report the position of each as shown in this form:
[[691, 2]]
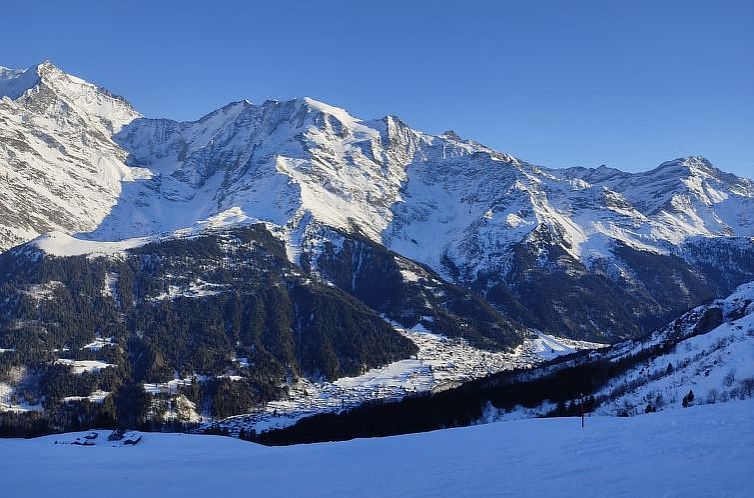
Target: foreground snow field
[[699, 451]]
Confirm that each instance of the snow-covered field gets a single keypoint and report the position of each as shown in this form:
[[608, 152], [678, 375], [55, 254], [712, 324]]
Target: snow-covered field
[[81, 366], [703, 451]]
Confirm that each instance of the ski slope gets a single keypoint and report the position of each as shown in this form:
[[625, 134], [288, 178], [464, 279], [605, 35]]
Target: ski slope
[[699, 451]]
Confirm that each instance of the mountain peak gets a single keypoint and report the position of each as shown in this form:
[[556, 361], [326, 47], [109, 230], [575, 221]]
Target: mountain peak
[[451, 134], [698, 163], [691, 166], [319, 106], [308, 105], [689, 162], [46, 65]]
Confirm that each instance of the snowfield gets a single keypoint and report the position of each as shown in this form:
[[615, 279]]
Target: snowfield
[[81, 366], [703, 451], [61, 244]]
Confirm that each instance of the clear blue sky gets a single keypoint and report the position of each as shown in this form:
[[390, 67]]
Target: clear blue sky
[[629, 84]]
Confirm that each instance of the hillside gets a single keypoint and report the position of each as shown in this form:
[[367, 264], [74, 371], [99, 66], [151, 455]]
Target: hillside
[[707, 352], [711, 357]]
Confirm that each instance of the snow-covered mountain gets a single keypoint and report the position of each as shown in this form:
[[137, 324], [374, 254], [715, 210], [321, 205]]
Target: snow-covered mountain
[[291, 163], [213, 239], [59, 167], [77, 159]]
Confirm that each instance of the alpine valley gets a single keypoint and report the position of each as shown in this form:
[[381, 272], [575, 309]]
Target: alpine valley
[[272, 261]]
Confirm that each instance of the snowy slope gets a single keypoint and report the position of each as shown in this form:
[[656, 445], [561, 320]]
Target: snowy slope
[[14, 82], [61, 244], [717, 365], [702, 451]]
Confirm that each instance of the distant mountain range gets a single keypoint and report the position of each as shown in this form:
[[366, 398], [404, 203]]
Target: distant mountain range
[[297, 236]]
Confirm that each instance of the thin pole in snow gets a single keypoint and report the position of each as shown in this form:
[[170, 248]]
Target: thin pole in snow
[[582, 411]]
